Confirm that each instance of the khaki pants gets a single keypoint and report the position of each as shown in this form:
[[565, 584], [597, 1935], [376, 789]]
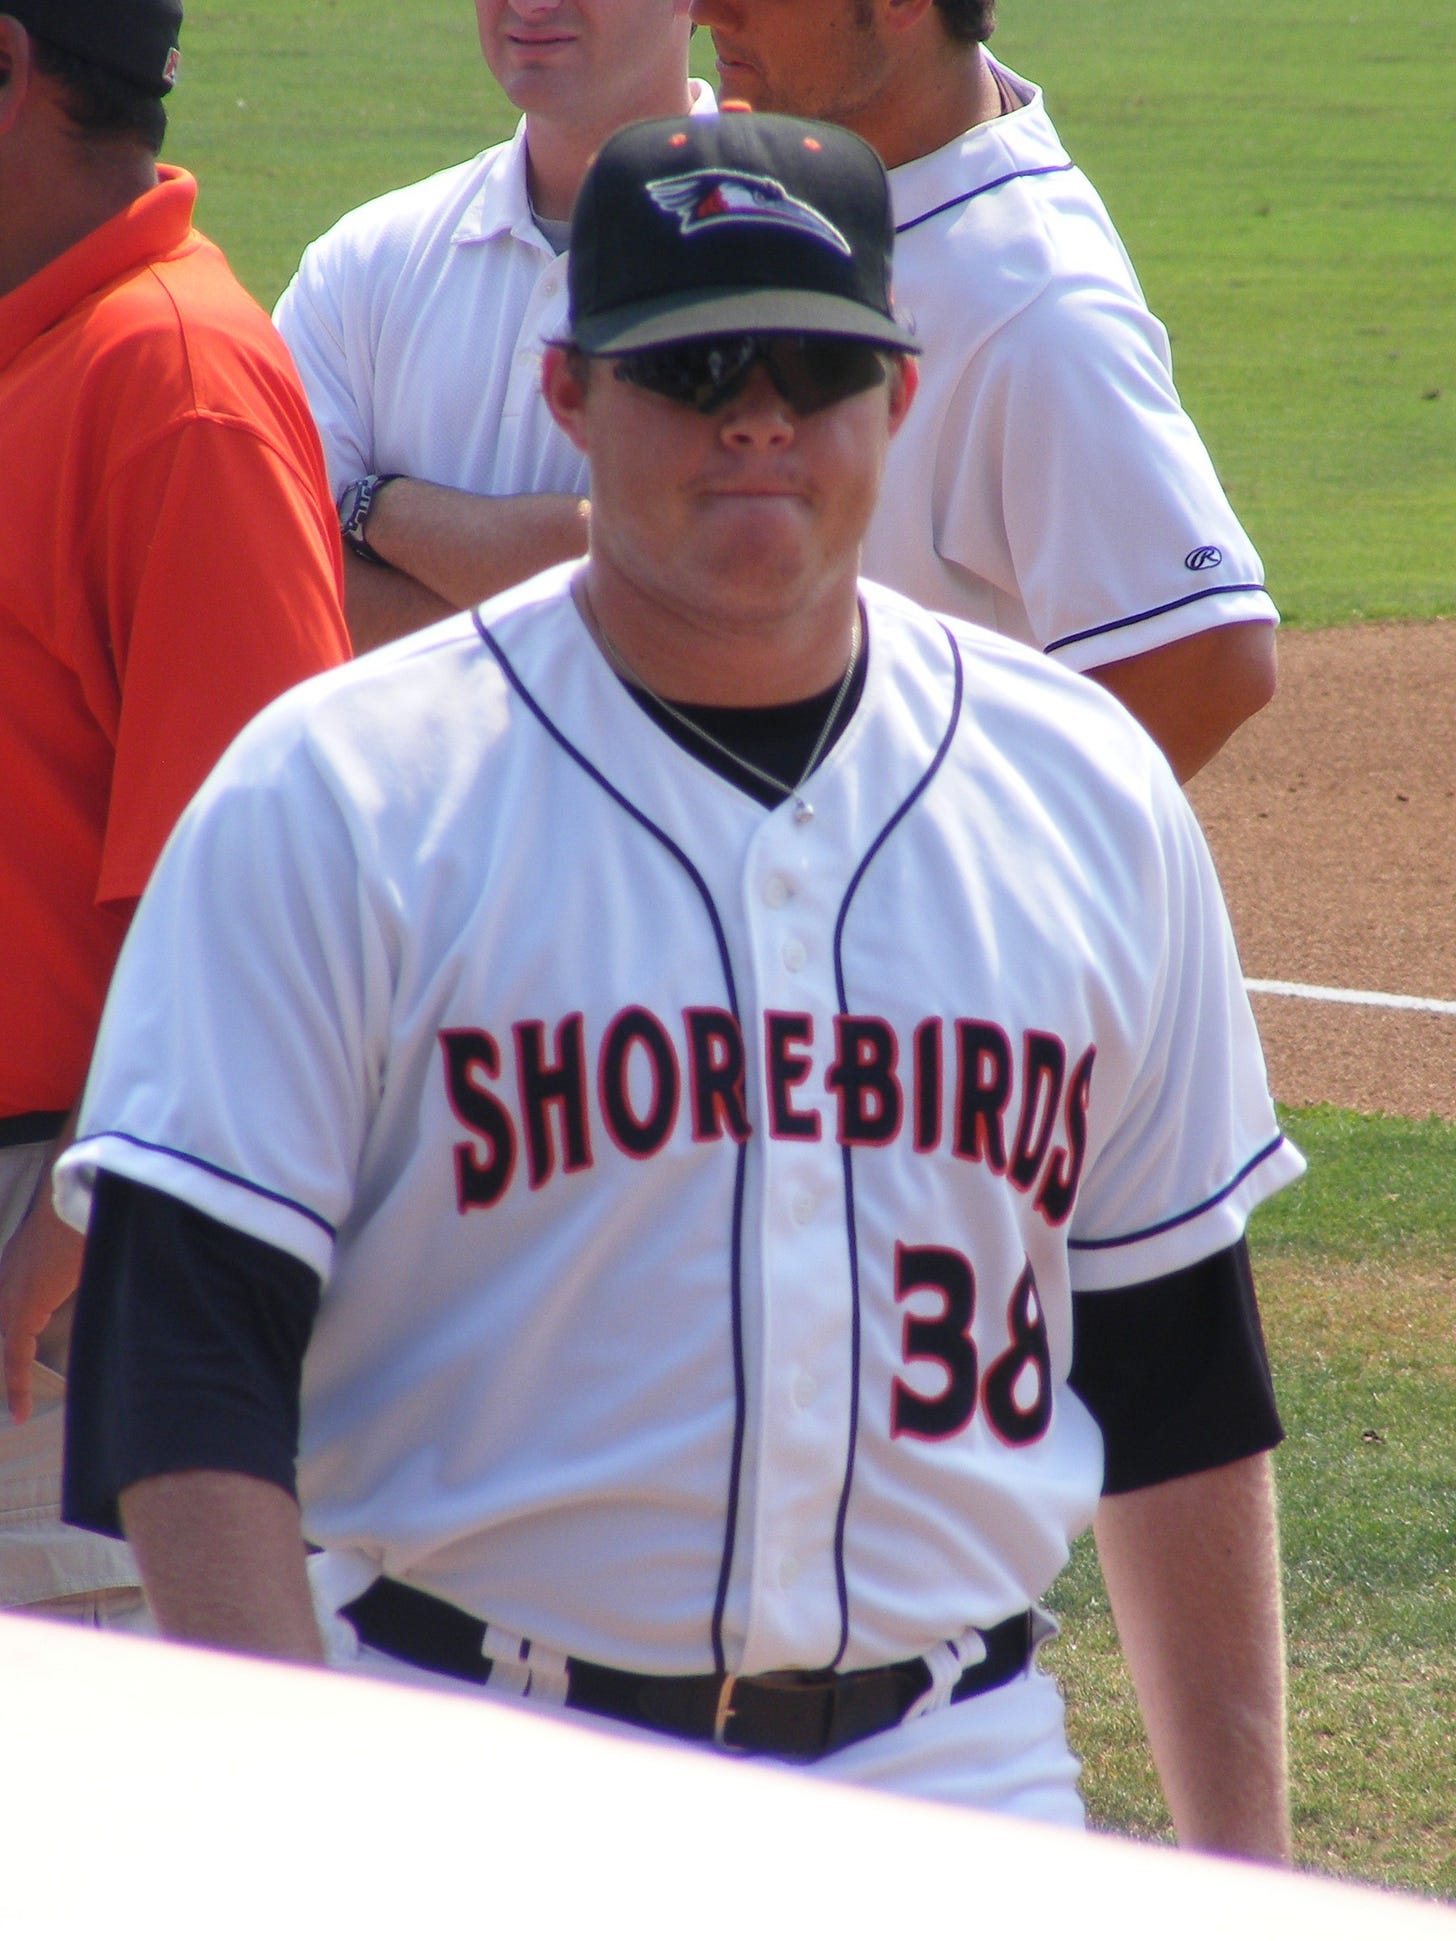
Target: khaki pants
[[46, 1568]]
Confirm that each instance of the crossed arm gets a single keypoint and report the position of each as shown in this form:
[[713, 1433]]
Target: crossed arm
[[448, 549]]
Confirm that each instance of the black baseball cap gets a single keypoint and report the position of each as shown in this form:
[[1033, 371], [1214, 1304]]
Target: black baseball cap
[[136, 39], [707, 225]]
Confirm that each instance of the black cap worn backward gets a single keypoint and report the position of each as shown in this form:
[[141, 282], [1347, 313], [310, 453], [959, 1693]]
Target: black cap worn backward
[[136, 39], [717, 224]]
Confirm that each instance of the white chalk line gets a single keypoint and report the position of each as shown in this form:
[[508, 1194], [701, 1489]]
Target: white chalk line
[[1382, 1000]]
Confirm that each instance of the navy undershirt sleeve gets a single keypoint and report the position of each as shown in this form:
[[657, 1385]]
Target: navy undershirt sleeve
[[187, 1351], [1176, 1372]]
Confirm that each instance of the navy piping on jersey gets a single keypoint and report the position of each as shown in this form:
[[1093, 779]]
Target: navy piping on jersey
[[841, 991], [1169, 606], [1016, 175], [740, 1408], [1182, 1219], [221, 1172]]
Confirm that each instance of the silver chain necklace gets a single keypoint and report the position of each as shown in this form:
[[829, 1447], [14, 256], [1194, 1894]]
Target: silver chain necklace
[[791, 791]]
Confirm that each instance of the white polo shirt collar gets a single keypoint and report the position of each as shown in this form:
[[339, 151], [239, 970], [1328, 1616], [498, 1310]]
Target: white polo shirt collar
[[503, 205]]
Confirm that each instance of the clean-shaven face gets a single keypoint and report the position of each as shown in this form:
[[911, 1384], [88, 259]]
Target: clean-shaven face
[[579, 59]]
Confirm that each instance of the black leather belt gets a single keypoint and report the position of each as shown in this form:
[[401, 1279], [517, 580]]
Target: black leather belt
[[31, 1128], [799, 1715]]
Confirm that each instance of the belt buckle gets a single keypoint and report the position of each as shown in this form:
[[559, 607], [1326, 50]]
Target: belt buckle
[[723, 1713]]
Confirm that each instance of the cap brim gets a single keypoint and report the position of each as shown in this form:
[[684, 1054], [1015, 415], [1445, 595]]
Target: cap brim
[[644, 326]]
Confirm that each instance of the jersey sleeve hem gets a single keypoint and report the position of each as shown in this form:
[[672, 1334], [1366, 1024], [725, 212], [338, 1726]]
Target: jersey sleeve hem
[[252, 1208], [1181, 1239], [1143, 633]]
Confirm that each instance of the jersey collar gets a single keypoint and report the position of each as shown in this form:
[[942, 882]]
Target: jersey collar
[[980, 160]]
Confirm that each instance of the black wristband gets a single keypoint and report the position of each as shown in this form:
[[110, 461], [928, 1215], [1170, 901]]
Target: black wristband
[[355, 503]]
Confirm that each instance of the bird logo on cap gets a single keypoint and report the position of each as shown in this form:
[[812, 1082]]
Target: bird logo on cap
[[707, 197]]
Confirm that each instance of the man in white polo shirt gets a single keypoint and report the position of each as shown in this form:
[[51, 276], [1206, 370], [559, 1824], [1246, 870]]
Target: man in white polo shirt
[[1048, 483], [417, 322]]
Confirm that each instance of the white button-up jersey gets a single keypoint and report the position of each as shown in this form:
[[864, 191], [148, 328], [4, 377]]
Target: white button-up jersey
[[698, 1192]]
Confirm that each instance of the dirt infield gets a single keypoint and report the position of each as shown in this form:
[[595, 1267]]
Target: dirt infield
[[1332, 816]]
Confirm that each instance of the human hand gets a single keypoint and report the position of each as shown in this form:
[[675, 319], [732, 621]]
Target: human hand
[[39, 1270]]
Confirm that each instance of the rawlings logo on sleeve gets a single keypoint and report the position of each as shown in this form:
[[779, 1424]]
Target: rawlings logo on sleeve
[[540, 1098]]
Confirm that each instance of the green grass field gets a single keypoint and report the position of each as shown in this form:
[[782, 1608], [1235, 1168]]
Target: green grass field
[[1285, 178]]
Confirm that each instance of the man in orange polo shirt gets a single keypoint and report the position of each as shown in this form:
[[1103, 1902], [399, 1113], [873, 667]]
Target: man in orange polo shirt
[[170, 563]]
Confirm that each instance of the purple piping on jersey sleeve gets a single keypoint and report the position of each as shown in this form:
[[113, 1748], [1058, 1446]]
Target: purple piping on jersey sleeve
[[847, 1153], [218, 1172], [1192, 1213], [984, 188], [740, 1407], [1169, 606]]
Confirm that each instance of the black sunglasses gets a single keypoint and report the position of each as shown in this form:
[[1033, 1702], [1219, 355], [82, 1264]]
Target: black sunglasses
[[809, 372]]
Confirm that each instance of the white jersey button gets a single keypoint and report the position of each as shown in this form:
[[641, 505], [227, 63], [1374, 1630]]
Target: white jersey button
[[803, 1209], [805, 1390], [789, 1572], [795, 955], [777, 891]]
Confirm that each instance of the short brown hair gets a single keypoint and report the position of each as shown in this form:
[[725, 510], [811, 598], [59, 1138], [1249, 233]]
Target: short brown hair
[[968, 20]]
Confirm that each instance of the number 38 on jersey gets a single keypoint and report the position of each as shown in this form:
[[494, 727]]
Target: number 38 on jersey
[[937, 1287]]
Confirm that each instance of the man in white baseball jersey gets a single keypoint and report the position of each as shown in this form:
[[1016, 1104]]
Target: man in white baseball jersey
[[1049, 483], [713, 1111], [417, 322]]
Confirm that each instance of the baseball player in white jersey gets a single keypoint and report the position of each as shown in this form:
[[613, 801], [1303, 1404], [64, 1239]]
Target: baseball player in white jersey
[[417, 322], [1049, 483], [709, 1111]]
